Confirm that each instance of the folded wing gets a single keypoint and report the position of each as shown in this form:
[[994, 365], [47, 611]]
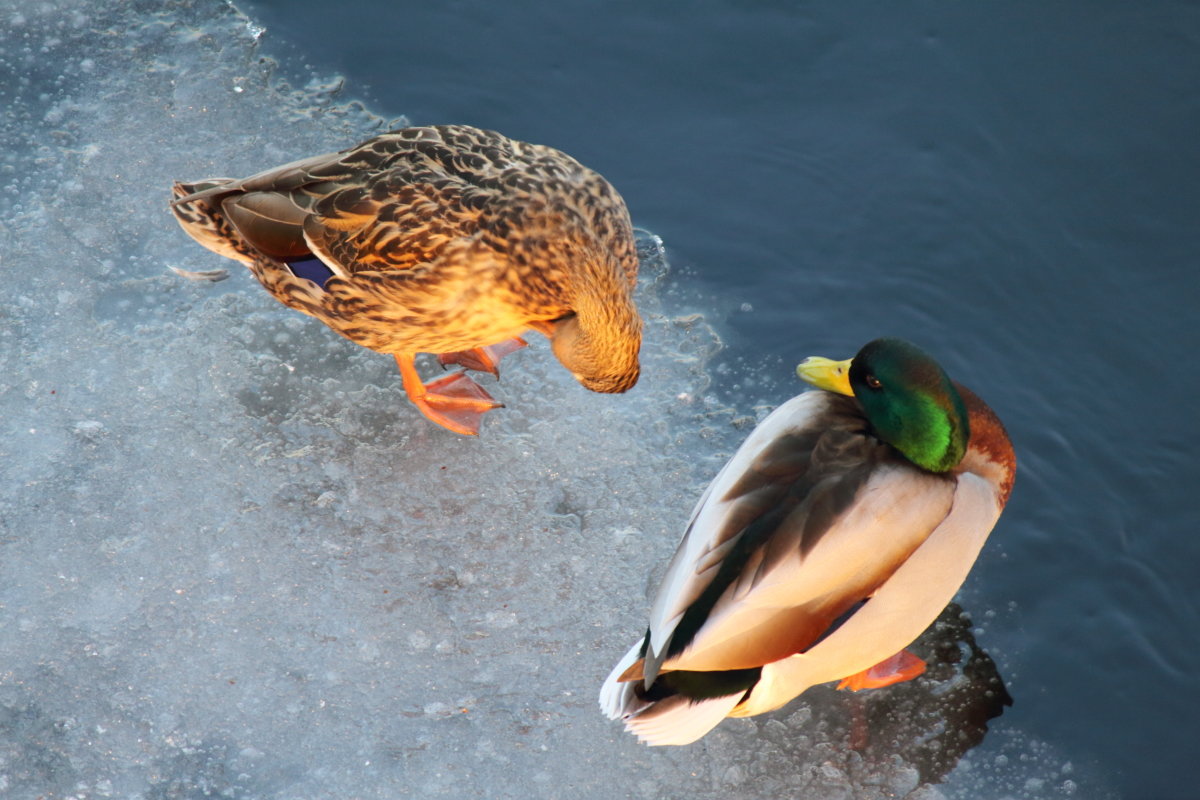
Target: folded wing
[[809, 518]]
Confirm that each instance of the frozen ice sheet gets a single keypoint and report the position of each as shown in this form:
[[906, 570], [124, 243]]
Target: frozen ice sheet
[[235, 562]]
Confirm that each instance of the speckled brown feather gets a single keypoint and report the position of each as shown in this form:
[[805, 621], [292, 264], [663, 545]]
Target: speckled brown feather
[[440, 239]]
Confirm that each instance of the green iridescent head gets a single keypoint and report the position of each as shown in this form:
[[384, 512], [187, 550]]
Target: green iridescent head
[[906, 396]]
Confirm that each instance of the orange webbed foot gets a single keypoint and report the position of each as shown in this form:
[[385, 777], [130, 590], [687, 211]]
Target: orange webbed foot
[[483, 359], [455, 402], [903, 666]]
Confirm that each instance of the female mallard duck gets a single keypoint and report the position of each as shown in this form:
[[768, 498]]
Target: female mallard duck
[[864, 504], [448, 240]]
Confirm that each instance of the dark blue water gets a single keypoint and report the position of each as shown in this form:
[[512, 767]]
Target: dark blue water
[[1013, 186]]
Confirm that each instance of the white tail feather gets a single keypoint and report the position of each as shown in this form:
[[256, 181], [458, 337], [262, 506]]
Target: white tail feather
[[678, 720], [674, 720], [617, 699]]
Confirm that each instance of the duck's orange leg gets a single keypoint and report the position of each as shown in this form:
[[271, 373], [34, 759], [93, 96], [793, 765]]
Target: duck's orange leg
[[483, 359], [455, 402], [903, 666], [860, 731]]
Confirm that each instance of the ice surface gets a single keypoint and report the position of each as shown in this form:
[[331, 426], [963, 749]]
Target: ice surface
[[234, 560]]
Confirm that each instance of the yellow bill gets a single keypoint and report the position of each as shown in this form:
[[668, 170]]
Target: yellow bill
[[824, 373]]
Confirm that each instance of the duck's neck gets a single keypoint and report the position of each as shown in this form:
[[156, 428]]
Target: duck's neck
[[990, 452]]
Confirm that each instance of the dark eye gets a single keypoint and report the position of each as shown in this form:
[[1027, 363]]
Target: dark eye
[[873, 382]]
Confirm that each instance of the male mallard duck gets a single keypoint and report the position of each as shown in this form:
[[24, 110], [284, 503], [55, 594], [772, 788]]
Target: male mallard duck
[[864, 504], [448, 240]]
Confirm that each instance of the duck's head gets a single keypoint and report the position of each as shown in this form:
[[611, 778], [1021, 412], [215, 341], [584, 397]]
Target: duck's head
[[905, 395], [604, 359]]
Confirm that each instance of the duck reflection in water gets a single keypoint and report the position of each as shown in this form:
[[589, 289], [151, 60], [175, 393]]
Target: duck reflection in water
[[930, 722]]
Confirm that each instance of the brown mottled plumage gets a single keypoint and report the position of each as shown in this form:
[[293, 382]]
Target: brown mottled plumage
[[444, 239]]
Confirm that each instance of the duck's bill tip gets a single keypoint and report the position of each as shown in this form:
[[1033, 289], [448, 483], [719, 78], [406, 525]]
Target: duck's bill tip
[[825, 373]]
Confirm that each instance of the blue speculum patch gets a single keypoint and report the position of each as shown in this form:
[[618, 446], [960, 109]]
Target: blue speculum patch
[[312, 269]]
